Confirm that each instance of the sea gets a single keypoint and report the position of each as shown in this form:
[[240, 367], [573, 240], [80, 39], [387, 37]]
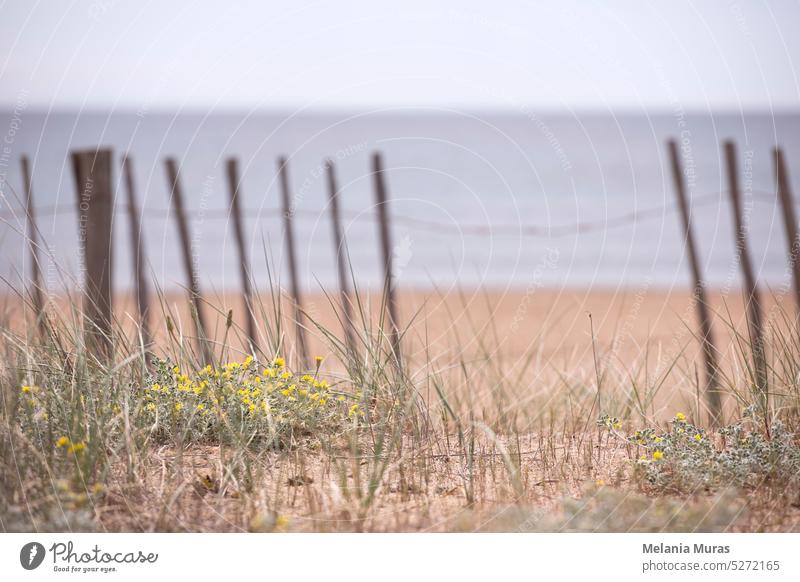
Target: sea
[[497, 200]]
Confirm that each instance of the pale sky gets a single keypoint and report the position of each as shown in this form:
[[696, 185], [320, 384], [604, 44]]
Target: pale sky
[[352, 54]]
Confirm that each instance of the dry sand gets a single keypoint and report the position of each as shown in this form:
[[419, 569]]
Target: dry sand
[[558, 323], [642, 331]]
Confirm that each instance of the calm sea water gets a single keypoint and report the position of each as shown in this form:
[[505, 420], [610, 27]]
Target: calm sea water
[[491, 200]]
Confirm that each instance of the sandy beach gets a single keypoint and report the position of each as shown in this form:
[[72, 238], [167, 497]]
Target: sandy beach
[[549, 335], [509, 324]]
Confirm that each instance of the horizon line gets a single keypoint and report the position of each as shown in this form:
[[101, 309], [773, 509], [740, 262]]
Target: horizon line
[[401, 110]]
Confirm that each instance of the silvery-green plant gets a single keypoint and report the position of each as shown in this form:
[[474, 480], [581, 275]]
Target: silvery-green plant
[[686, 457]]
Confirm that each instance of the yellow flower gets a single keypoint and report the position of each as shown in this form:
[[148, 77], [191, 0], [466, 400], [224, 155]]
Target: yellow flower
[[658, 455], [318, 359], [178, 407], [599, 482], [176, 370], [151, 407], [201, 407], [617, 424], [247, 361], [25, 389], [76, 448], [698, 438], [354, 410], [658, 439], [322, 402], [680, 417], [63, 441], [281, 522], [279, 362]]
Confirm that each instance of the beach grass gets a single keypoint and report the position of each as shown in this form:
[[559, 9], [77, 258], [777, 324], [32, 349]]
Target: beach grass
[[468, 438]]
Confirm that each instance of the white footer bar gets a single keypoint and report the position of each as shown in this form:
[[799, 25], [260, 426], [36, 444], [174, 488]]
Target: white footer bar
[[406, 557]]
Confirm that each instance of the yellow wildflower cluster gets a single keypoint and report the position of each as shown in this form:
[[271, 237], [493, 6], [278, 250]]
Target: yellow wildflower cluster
[[70, 447], [31, 399], [251, 399]]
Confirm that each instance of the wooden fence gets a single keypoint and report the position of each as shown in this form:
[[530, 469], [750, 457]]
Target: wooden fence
[[93, 171]]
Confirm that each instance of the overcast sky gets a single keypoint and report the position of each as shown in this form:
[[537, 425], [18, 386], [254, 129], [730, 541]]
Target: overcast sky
[[353, 54]]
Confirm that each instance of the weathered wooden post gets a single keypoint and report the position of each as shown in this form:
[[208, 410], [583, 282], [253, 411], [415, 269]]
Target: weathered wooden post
[[386, 246], [188, 262], [244, 261], [713, 399], [283, 174], [93, 179], [137, 248], [789, 219], [36, 289], [752, 296], [341, 258]]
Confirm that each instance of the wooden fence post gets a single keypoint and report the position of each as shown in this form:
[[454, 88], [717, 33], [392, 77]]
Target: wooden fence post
[[341, 258], [283, 174], [244, 262], [752, 296], [137, 248], [93, 179], [386, 246], [33, 241], [713, 398], [789, 219], [188, 262]]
